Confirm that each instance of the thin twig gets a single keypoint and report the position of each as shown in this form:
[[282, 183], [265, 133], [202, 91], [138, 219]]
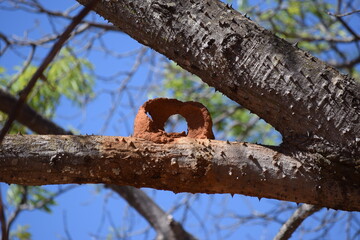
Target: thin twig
[[347, 27], [295, 220], [23, 69], [51, 55], [344, 14], [4, 230]]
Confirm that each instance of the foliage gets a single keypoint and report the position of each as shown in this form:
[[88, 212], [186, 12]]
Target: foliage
[[66, 76], [31, 196], [310, 25], [21, 233]]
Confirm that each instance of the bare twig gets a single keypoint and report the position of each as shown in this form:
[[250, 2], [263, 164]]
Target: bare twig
[[343, 14], [295, 220], [23, 69], [123, 85], [56, 48], [348, 28], [164, 224], [4, 229], [18, 209]]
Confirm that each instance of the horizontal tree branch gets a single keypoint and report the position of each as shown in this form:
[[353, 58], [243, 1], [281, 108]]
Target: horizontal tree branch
[[189, 165], [162, 222]]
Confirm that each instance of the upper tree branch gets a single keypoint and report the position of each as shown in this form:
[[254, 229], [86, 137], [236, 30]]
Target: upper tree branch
[[314, 106]]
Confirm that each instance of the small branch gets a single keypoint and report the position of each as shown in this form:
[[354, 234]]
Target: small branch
[[29, 117], [295, 220], [23, 69], [163, 223], [348, 64], [51, 55], [343, 14], [18, 209], [4, 229], [348, 28]]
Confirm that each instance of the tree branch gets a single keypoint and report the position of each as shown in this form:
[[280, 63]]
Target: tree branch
[[161, 221], [4, 229], [29, 117], [188, 166], [344, 14], [295, 92], [295, 220], [164, 224]]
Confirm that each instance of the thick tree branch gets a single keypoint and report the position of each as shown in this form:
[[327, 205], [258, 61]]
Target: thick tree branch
[[164, 224], [161, 221], [188, 166], [314, 106]]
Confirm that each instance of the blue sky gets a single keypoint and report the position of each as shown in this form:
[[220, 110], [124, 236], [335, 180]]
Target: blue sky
[[86, 211]]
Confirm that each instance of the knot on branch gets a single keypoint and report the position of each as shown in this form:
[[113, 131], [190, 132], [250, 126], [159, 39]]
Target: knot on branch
[[152, 115]]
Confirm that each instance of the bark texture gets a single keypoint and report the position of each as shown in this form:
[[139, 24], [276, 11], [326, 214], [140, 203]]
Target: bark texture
[[164, 224], [187, 165], [310, 103]]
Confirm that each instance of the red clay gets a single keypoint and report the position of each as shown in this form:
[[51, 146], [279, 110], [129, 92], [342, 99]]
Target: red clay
[[160, 109]]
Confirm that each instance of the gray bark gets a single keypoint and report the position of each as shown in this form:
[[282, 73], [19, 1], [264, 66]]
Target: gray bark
[[188, 165]]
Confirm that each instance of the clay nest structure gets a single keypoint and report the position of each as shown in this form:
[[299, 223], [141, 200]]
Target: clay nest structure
[[153, 114]]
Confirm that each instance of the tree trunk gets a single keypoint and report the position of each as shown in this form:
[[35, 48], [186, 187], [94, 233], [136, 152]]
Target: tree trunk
[[188, 165]]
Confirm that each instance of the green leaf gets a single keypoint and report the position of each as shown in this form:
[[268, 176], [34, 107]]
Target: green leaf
[[21, 233], [66, 76]]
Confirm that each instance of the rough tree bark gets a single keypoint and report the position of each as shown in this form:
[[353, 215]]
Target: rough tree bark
[[164, 224], [314, 107], [187, 165]]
